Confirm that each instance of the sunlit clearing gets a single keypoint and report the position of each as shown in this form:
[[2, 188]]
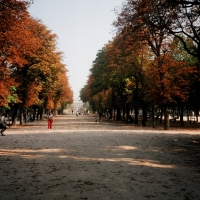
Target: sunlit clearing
[[27, 153], [127, 147], [130, 161]]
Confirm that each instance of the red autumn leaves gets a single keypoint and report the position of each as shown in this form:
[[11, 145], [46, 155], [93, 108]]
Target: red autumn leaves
[[29, 60]]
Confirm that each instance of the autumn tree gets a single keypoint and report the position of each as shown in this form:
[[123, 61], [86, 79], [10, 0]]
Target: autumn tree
[[106, 80], [99, 79], [13, 43], [136, 20], [47, 83], [191, 100], [63, 94], [128, 58], [30, 62], [114, 76], [88, 95], [144, 64]]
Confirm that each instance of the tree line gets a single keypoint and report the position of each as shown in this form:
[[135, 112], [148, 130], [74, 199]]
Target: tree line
[[32, 73], [152, 64]]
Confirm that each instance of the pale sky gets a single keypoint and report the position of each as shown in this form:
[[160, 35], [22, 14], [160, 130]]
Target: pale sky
[[83, 27]]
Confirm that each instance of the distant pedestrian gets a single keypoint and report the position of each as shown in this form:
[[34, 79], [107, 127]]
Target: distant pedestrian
[[3, 123], [50, 120], [100, 117], [107, 115], [95, 116]]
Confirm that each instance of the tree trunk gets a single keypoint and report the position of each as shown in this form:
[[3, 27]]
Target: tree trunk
[[166, 118], [144, 116], [25, 115], [110, 113], [136, 115], [161, 114], [38, 113], [153, 116], [34, 113], [21, 116], [118, 117], [197, 114], [124, 111], [114, 115], [14, 116], [188, 118], [181, 115], [127, 110], [41, 113]]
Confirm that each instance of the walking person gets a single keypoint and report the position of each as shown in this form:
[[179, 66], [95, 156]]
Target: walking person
[[3, 123], [50, 120]]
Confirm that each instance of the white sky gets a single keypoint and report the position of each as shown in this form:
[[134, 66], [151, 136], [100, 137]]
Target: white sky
[[83, 27]]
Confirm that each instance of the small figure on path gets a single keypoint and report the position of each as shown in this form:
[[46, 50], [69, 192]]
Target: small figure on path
[[95, 116], [3, 123], [107, 115], [50, 120]]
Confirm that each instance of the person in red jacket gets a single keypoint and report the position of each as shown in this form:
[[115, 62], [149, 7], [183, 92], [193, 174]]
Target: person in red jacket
[[50, 120]]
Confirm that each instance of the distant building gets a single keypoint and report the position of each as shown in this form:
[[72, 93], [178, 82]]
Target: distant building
[[77, 105]]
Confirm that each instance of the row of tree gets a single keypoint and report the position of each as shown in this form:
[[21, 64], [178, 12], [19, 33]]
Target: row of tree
[[32, 73], [152, 63]]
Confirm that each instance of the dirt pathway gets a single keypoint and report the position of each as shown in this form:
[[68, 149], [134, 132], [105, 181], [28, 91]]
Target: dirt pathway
[[79, 159]]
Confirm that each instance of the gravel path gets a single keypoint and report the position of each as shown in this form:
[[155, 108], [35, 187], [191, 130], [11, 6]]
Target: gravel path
[[79, 159]]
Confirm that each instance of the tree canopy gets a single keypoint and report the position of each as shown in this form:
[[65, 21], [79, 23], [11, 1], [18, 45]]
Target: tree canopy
[[153, 61], [32, 72]]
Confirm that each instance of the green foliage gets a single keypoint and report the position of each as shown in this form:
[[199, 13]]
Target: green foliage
[[12, 98]]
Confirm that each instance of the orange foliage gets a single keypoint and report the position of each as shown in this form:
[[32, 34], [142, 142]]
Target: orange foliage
[[32, 94], [169, 80], [16, 42], [63, 92]]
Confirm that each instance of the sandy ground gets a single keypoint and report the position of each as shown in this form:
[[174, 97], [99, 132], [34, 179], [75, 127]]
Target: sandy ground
[[79, 159]]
